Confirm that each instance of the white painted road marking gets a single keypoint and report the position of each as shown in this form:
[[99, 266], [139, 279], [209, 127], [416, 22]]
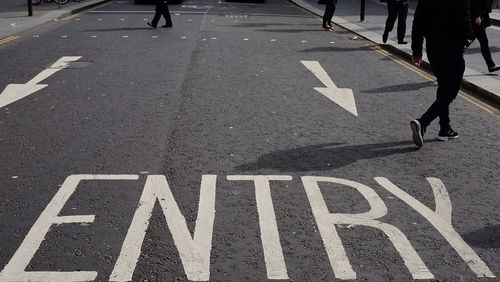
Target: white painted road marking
[[15, 269], [327, 221], [341, 96], [14, 92], [273, 253], [441, 220], [194, 252]]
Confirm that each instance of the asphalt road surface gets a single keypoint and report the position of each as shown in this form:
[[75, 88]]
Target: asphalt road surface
[[243, 144]]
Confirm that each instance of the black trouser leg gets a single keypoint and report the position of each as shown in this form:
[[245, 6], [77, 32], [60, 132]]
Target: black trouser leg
[[331, 15], [329, 10], [449, 70], [166, 14], [480, 32], [402, 13], [157, 16], [392, 10]]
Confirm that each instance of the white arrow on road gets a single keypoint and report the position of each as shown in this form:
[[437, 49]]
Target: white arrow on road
[[341, 96], [14, 92]]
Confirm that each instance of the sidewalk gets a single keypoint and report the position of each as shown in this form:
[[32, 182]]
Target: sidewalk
[[476, 77], [14, 14]]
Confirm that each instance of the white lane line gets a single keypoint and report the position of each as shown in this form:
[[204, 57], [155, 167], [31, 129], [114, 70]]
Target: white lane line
[[183, 37], [214, 38], [245, 39], [64, 36], [303, 41], [36, 36], [94, 36], [154, 36], [273, 40], [343, 97], [125, 36]]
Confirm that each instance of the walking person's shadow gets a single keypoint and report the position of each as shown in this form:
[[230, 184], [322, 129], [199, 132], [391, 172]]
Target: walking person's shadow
[[326, 156], [487, 237]]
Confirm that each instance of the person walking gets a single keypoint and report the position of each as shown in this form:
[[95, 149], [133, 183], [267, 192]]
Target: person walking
[[328, 15], [397, 9], [480, 10], [161, 9], [446, 27]]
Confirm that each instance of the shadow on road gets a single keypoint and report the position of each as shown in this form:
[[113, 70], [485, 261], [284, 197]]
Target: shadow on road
[[401, 87], [487, 237], [326, 156]]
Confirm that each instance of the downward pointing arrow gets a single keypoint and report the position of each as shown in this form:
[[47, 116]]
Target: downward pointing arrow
[[343, 97], [14, 92]]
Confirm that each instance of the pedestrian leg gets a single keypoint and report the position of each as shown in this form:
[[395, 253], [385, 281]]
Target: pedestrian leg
[[449, 70], [391, 19], [331, 16], [402, 14], [166, 15], [157, 16], [481, 36], [328, 14]]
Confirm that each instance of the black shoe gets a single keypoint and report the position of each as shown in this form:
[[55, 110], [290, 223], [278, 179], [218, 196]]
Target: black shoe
[[153, 26], [385, 36], [167, 25], [494, 68], [447, 134], [418, 133], [402, 42]]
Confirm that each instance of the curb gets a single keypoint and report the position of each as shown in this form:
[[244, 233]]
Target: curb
[[495, 22], [471, 88], [90, 6]]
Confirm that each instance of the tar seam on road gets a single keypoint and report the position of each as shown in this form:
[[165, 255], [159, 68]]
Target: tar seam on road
[[480, 104]]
